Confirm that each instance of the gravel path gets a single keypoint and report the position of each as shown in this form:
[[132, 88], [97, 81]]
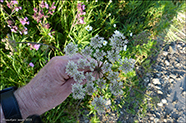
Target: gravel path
[[168, 83]]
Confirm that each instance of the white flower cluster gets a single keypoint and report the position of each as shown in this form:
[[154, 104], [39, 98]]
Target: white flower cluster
[[96, 42], [127, 65], [116, 88], [71, 49], [100, 57], [118, 40], [99, 104], [78, 91]]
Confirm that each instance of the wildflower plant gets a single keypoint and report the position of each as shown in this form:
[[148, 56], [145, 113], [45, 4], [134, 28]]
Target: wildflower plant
[[104, 60]]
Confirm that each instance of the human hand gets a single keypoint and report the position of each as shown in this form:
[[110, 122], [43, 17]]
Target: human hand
[[49, 88]]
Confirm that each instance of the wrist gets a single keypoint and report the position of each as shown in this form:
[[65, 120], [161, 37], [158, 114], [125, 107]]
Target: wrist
[[27, 104]]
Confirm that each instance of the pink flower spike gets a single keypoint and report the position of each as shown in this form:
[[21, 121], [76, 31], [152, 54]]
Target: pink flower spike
[[36, 46], [31, 64]]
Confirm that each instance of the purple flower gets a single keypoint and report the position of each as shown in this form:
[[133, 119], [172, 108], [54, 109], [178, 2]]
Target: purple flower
[[83, 7], [79, 7], [50, 34], [43, 5], [81, 20], [25, 31], [1, 1], [9, 5], [18, 8], [41, 14], [47, 26], [35, 10], [31, 64], [14, 29], [10, 23], [52, 7], [14, 2], [20, 32], [34, 46], [46, 5], [24, 21]]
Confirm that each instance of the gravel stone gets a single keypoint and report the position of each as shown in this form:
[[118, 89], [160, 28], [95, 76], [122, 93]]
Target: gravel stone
[[156, 81], [173, 76], [167, 63], [164, 101]]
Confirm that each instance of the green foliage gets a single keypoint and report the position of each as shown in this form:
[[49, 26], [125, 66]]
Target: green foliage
[[139, 17]]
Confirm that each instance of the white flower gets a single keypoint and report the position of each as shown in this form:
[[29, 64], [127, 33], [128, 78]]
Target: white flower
[[88, 28], [96, 0], [79, 76], [89, 77], [90, 88], [78, 91], [71, 49], [106, 67], [71, 68], [118, 40], [127, 65], [114, 25], [110, 1], [131, 34], [117, 32], [93, 64], [125, 47], [87, 51], [99, 54], [82, 63], [116, 88], [113, 55], [105, 43], [113, 75], [101, 83], [126, 41], [96, 41], [109, 14], [99, 104]]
